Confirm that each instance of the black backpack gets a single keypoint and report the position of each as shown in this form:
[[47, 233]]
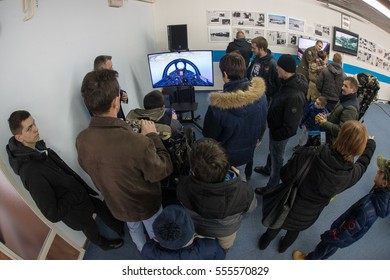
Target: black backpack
[[180, 149]]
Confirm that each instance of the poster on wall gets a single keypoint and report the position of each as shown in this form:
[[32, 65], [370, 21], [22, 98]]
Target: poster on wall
[[276, 38], [219, 34], [257, 32], [292, 40], [277, 22], [366, 57], [382, 64], [367, 45], [345, 22], [295, 24], [218, 18], [322, 30], [241, 18]]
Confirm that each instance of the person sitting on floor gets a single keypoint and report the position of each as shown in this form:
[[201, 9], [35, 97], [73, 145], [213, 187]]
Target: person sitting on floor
[[166, 119], [175, 239]]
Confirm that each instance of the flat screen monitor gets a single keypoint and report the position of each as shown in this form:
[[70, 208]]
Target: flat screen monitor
[[304, 43], [187, 68], [345, 41]]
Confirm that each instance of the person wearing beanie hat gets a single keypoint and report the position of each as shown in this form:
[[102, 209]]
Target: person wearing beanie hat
[[175, 238], [284, 115], [357, 220], [287, 63]]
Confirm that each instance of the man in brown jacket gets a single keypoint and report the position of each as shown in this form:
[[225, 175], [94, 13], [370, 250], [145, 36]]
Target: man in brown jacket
[[124, 165]]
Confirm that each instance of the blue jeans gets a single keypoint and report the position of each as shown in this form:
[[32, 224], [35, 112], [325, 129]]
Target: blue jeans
[[275, 160], [136, 230], [322, 251]]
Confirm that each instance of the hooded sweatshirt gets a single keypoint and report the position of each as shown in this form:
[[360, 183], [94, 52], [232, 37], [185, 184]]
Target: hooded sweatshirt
[[243, 47], [330, 81]]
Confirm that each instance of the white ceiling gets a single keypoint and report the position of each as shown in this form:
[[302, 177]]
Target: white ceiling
[[362, 10]]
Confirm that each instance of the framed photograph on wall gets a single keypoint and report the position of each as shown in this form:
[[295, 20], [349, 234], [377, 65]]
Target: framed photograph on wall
[[296, 24], [345, 22], [277, 22], [219, 34], [276, 38], [218, 18]]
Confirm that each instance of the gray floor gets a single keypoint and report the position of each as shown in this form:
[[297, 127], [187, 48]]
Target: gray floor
[[375, 245]]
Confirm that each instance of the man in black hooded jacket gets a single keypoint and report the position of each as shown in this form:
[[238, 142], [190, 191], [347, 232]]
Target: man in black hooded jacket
[[60, 194], [241, 45]]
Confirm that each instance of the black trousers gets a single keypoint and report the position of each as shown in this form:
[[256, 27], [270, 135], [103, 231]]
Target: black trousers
[[91, 229], [287, 240]]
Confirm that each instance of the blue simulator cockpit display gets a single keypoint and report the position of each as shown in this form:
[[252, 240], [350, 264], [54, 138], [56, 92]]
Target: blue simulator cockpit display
[[187, 68]]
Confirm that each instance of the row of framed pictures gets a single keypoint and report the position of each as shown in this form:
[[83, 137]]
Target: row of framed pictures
[[373, 54], [274, 37], [246, 19]]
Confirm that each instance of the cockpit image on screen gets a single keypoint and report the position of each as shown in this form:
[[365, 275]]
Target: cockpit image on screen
[[189, 68]]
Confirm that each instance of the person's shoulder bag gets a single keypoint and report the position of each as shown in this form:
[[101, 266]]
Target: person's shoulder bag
[[278, 202]]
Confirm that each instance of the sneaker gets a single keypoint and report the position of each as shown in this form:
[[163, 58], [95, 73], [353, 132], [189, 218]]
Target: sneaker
[[261, 190], [298, 255], [111, 244], [296, 148], [262, 170]]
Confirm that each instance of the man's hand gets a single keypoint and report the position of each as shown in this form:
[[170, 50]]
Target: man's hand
[[147, 127], [321, 118]]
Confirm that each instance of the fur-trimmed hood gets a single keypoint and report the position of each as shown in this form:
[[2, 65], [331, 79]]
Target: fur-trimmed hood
[[240, 98]]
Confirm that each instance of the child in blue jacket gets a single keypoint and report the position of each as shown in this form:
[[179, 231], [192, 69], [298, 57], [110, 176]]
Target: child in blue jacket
[[357, 220], [308, 119]]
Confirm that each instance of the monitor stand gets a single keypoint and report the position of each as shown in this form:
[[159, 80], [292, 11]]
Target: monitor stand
[[184, 101]]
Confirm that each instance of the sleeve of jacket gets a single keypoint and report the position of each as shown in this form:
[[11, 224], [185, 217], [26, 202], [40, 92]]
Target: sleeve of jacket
[[156, 164], [211, 125], [348, 113], [42, 193], [291, 118], [362, 162], [320, 81], [275, 80]]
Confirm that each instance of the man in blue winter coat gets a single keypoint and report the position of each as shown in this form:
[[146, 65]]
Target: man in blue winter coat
[[241, 109], [357, 220]]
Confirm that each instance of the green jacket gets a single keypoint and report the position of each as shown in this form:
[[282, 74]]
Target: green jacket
[[346, 109]]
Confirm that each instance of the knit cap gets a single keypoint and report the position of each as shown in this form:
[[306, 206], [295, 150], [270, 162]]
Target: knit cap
[[287, 63], [173, 228], [384, 166]]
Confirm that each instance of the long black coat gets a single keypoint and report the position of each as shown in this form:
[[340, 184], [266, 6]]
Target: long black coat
[[60, 194], [329, 175]]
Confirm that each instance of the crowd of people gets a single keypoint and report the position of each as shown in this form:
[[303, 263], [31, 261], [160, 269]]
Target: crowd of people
[[127, 166]]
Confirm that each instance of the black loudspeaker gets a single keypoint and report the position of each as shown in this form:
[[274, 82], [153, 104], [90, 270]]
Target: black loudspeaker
[[177, 37]]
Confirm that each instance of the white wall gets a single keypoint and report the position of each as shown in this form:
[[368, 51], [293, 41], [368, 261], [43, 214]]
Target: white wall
[[193, 13], [44, 60]]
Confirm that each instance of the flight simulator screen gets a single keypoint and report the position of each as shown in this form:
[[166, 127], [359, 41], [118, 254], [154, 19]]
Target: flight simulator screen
[[187, 68]]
